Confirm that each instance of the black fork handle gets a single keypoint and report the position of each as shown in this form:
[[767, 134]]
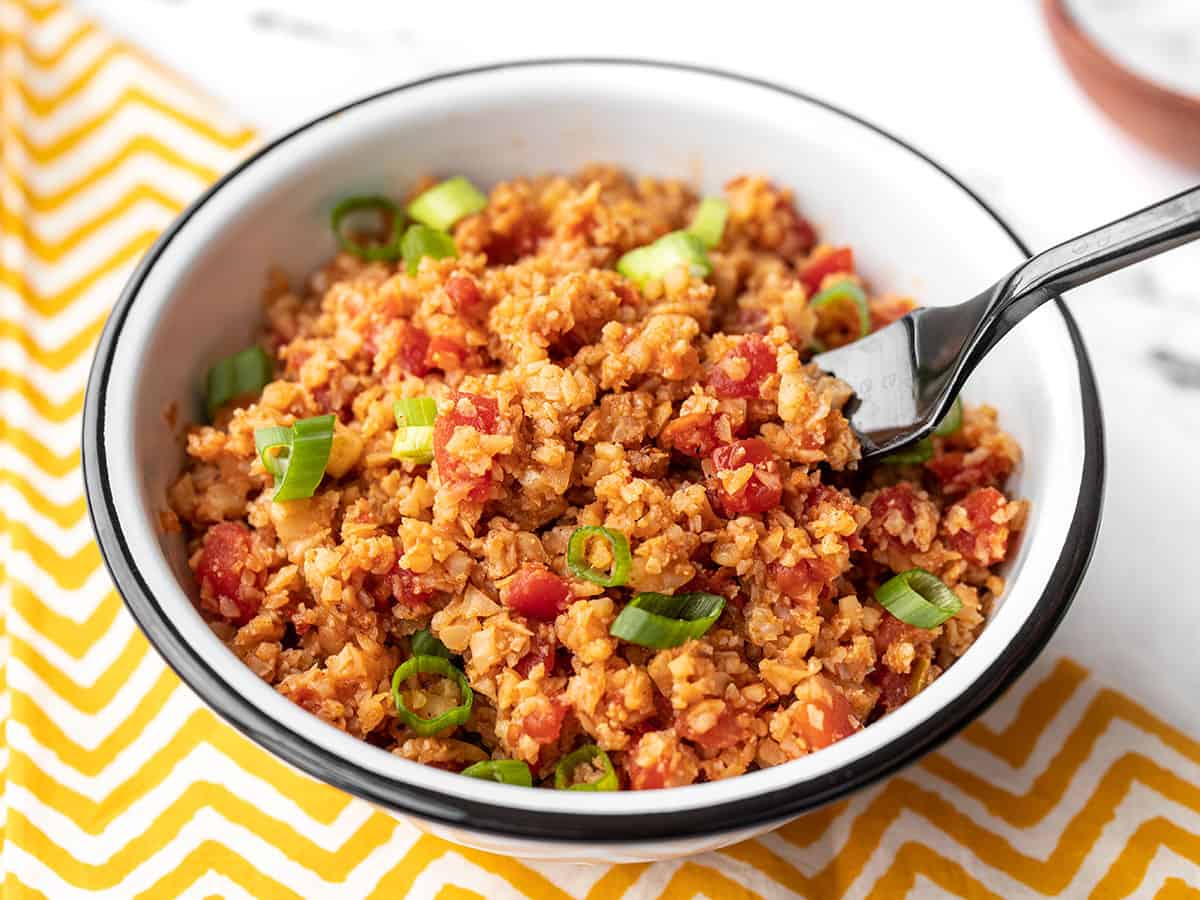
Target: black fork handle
[[1123, 242]]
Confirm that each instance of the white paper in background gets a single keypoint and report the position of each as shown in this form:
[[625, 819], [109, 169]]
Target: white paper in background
[[978, 86]]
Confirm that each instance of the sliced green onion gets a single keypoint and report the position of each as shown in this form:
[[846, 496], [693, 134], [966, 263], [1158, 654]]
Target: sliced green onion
[[415, 411], [912, 455], [424, 643], [444, 204], [246, 372], [573, 760], [414, 429], [577, 556], [849, 298], [505, 771], [654, 261], [414, 444], [390, 249], [660, 621], [709, 222], [918, 598], [420, 241], [953, 421], [296, 457], [432, 665]]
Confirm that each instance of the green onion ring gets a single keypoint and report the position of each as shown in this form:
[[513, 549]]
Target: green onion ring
[[953, 421], [569, 763], [432, 665], [246, 372], [420, 241], [709, 222], [840, 292], [390, 250], [425, 643], [414, 429], [661, 621], [415, 411], [445, 203], [654, 261], [912, 455], [577, 556], [296, 457], [918, 598], [505, 771]]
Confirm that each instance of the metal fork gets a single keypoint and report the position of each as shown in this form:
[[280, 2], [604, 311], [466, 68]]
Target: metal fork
[[905, 376]]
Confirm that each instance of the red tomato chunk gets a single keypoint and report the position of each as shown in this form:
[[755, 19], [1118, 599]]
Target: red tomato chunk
[[219, 571], [537, 592], [471, 410], [463, 293], [545, 725], [832, 263], [763, 491], [755, 357], [414, 350], [693, 435]]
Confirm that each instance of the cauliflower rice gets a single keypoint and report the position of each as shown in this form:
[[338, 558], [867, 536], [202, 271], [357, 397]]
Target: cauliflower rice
[[682, 414]]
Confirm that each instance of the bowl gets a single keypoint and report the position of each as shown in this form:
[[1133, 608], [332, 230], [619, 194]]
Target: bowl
[[914, 226], [1160, 117]]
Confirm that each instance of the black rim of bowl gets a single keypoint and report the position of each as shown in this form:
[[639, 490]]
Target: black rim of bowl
[[472, 815]]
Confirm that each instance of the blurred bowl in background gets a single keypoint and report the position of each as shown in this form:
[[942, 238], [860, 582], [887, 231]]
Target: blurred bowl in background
[[1162, 117]]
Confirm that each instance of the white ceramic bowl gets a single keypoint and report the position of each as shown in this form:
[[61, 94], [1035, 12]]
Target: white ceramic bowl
[[913, 226]]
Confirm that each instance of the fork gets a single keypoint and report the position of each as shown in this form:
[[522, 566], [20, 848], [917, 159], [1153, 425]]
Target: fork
[[905, 376]]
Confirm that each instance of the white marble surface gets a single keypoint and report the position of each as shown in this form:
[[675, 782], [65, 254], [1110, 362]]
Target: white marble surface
[[976, 85]]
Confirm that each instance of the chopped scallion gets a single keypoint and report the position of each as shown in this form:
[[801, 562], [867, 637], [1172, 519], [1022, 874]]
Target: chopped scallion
[[843, 310], [445, 203], [918, 598], [388, 211], [912, 455], [654, 261], [414, 429], [589, 753], [425, 643], [420, 241], [577, 556], [661, 621], [246, 372], [709, 222], [505, 771], [296, 457], [431, 665], [953, 420]]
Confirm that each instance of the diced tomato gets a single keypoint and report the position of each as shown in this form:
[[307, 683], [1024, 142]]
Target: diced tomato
[[799, 236], [407, 588], [957, 476], [537, 592], [646, 778], [545, 651], [414, 350], [446, 354], [544, 725], [725, 733], [813, 272], [756, 355], [807, 581], [892, 631], [896, 500], [219, 569], [469, 410], [463, 293], [983, 541], [503, 249], [763, 491], [828, 716], [895, 687], [692, 435]]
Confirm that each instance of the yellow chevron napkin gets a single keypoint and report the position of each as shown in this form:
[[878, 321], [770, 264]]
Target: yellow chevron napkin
[[116, 780]]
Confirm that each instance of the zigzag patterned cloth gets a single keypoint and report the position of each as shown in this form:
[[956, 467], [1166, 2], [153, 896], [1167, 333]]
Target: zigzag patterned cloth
[[117, 780]]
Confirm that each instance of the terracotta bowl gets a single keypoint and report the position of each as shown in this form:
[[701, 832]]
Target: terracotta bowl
[[1164, 120]]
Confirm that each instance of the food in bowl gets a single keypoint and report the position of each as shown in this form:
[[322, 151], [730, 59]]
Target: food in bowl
[[540, 488]]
